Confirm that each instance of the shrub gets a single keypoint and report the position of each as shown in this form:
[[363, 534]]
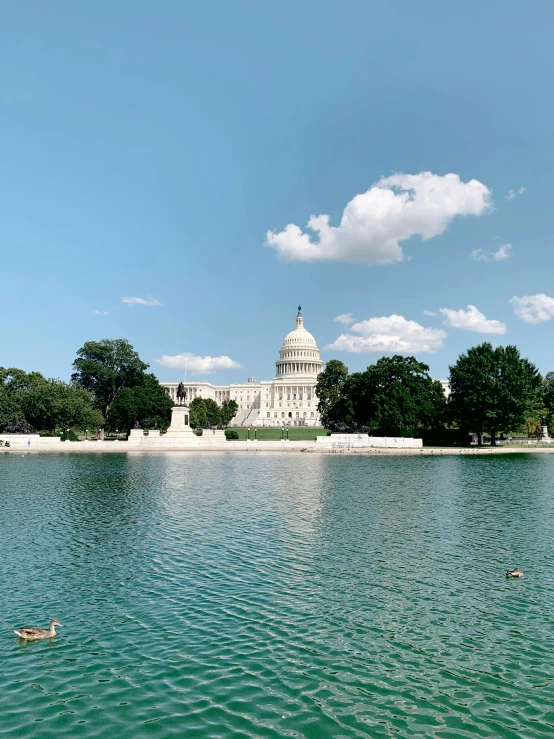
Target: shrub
[[18, 426], [199, 432], [71, 436], [231, 434]]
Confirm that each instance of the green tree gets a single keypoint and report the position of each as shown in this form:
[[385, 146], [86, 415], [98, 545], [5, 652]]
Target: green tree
[[148, 403], [198, 414], [213, 413], [10, 411], [228, 411], [328, 389], [548, 399], [106, 368], [492, 390], [395, 397], [54, 406]]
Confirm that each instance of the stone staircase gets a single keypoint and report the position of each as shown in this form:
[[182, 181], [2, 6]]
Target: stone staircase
[[245, 418]]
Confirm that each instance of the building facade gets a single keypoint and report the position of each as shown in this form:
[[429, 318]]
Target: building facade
[[289, 399]]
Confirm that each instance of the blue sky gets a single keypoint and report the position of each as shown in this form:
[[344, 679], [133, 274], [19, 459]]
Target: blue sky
[[148, 148]]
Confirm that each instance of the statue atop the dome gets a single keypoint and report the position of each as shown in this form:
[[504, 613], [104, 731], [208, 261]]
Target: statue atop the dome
[[299, 310]]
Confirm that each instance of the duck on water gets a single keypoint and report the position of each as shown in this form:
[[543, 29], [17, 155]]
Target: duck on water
[[38, 633], [514, 573]]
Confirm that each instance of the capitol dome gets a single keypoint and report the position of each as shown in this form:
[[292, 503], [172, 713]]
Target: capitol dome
[[299, 354]]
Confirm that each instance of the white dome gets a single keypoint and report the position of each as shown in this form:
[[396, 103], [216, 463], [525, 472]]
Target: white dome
[[299, 354], [300, 337]]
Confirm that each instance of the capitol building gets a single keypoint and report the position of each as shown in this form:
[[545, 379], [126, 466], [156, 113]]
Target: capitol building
[[287, 400]]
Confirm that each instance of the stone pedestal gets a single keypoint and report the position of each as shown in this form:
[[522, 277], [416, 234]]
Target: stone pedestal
[[545, 437], [180, 429], [154, 434], [135, 436]]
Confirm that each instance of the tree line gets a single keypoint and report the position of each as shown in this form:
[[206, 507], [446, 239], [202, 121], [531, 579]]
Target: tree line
[[109, 390], [493, 391]]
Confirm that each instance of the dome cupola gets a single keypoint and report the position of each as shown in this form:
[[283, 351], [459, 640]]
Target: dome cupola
[[299, 355]]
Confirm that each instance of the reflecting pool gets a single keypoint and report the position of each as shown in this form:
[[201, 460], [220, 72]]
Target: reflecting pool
[[251, 595]]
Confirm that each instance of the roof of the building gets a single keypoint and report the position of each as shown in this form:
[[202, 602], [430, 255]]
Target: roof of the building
[[299, 337]]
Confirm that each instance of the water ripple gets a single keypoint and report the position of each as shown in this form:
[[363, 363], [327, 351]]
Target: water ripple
[[224, 595]]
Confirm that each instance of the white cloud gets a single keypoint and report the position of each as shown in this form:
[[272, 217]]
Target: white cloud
[[534, 308], [198, 365], [149, 300], [389, 334], [503, 252], [429, 313], [100, 312], [374, 223], [345, 318], [511, 194], [472, 320]]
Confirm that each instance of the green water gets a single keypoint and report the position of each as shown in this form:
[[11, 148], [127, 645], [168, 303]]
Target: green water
[[240, 595]]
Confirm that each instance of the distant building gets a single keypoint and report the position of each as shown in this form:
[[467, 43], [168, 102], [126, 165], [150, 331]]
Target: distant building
[[287, 400]]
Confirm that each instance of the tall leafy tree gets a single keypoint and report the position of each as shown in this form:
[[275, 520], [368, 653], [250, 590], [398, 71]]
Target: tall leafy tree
[[548, 399], [213, 413], [10, 411], [29, 400], [395, 396], [493, 390], [54, 406], [328, 389], [106, 368], [198, 414], [228, 411], [148, 403]]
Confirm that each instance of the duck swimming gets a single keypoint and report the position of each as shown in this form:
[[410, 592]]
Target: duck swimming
[[38, 633], [514, 573]]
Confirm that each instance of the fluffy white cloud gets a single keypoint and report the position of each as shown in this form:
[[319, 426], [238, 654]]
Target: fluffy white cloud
[[511, 194], [533, 308], [100, 312], [429, 313], [503, 252], [140, 301], [345, 318], [389, 334], [472, 320], [374, 223], [198, 365]]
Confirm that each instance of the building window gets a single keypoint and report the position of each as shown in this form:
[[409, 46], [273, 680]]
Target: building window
[[269, 415], [282, 415], [297, 415], [274, 415], [311, 415]]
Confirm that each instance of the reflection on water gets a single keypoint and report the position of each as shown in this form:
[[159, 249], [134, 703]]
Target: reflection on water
[[231, 595]]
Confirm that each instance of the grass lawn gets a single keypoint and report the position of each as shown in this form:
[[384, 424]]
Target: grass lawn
[[297, 433]]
